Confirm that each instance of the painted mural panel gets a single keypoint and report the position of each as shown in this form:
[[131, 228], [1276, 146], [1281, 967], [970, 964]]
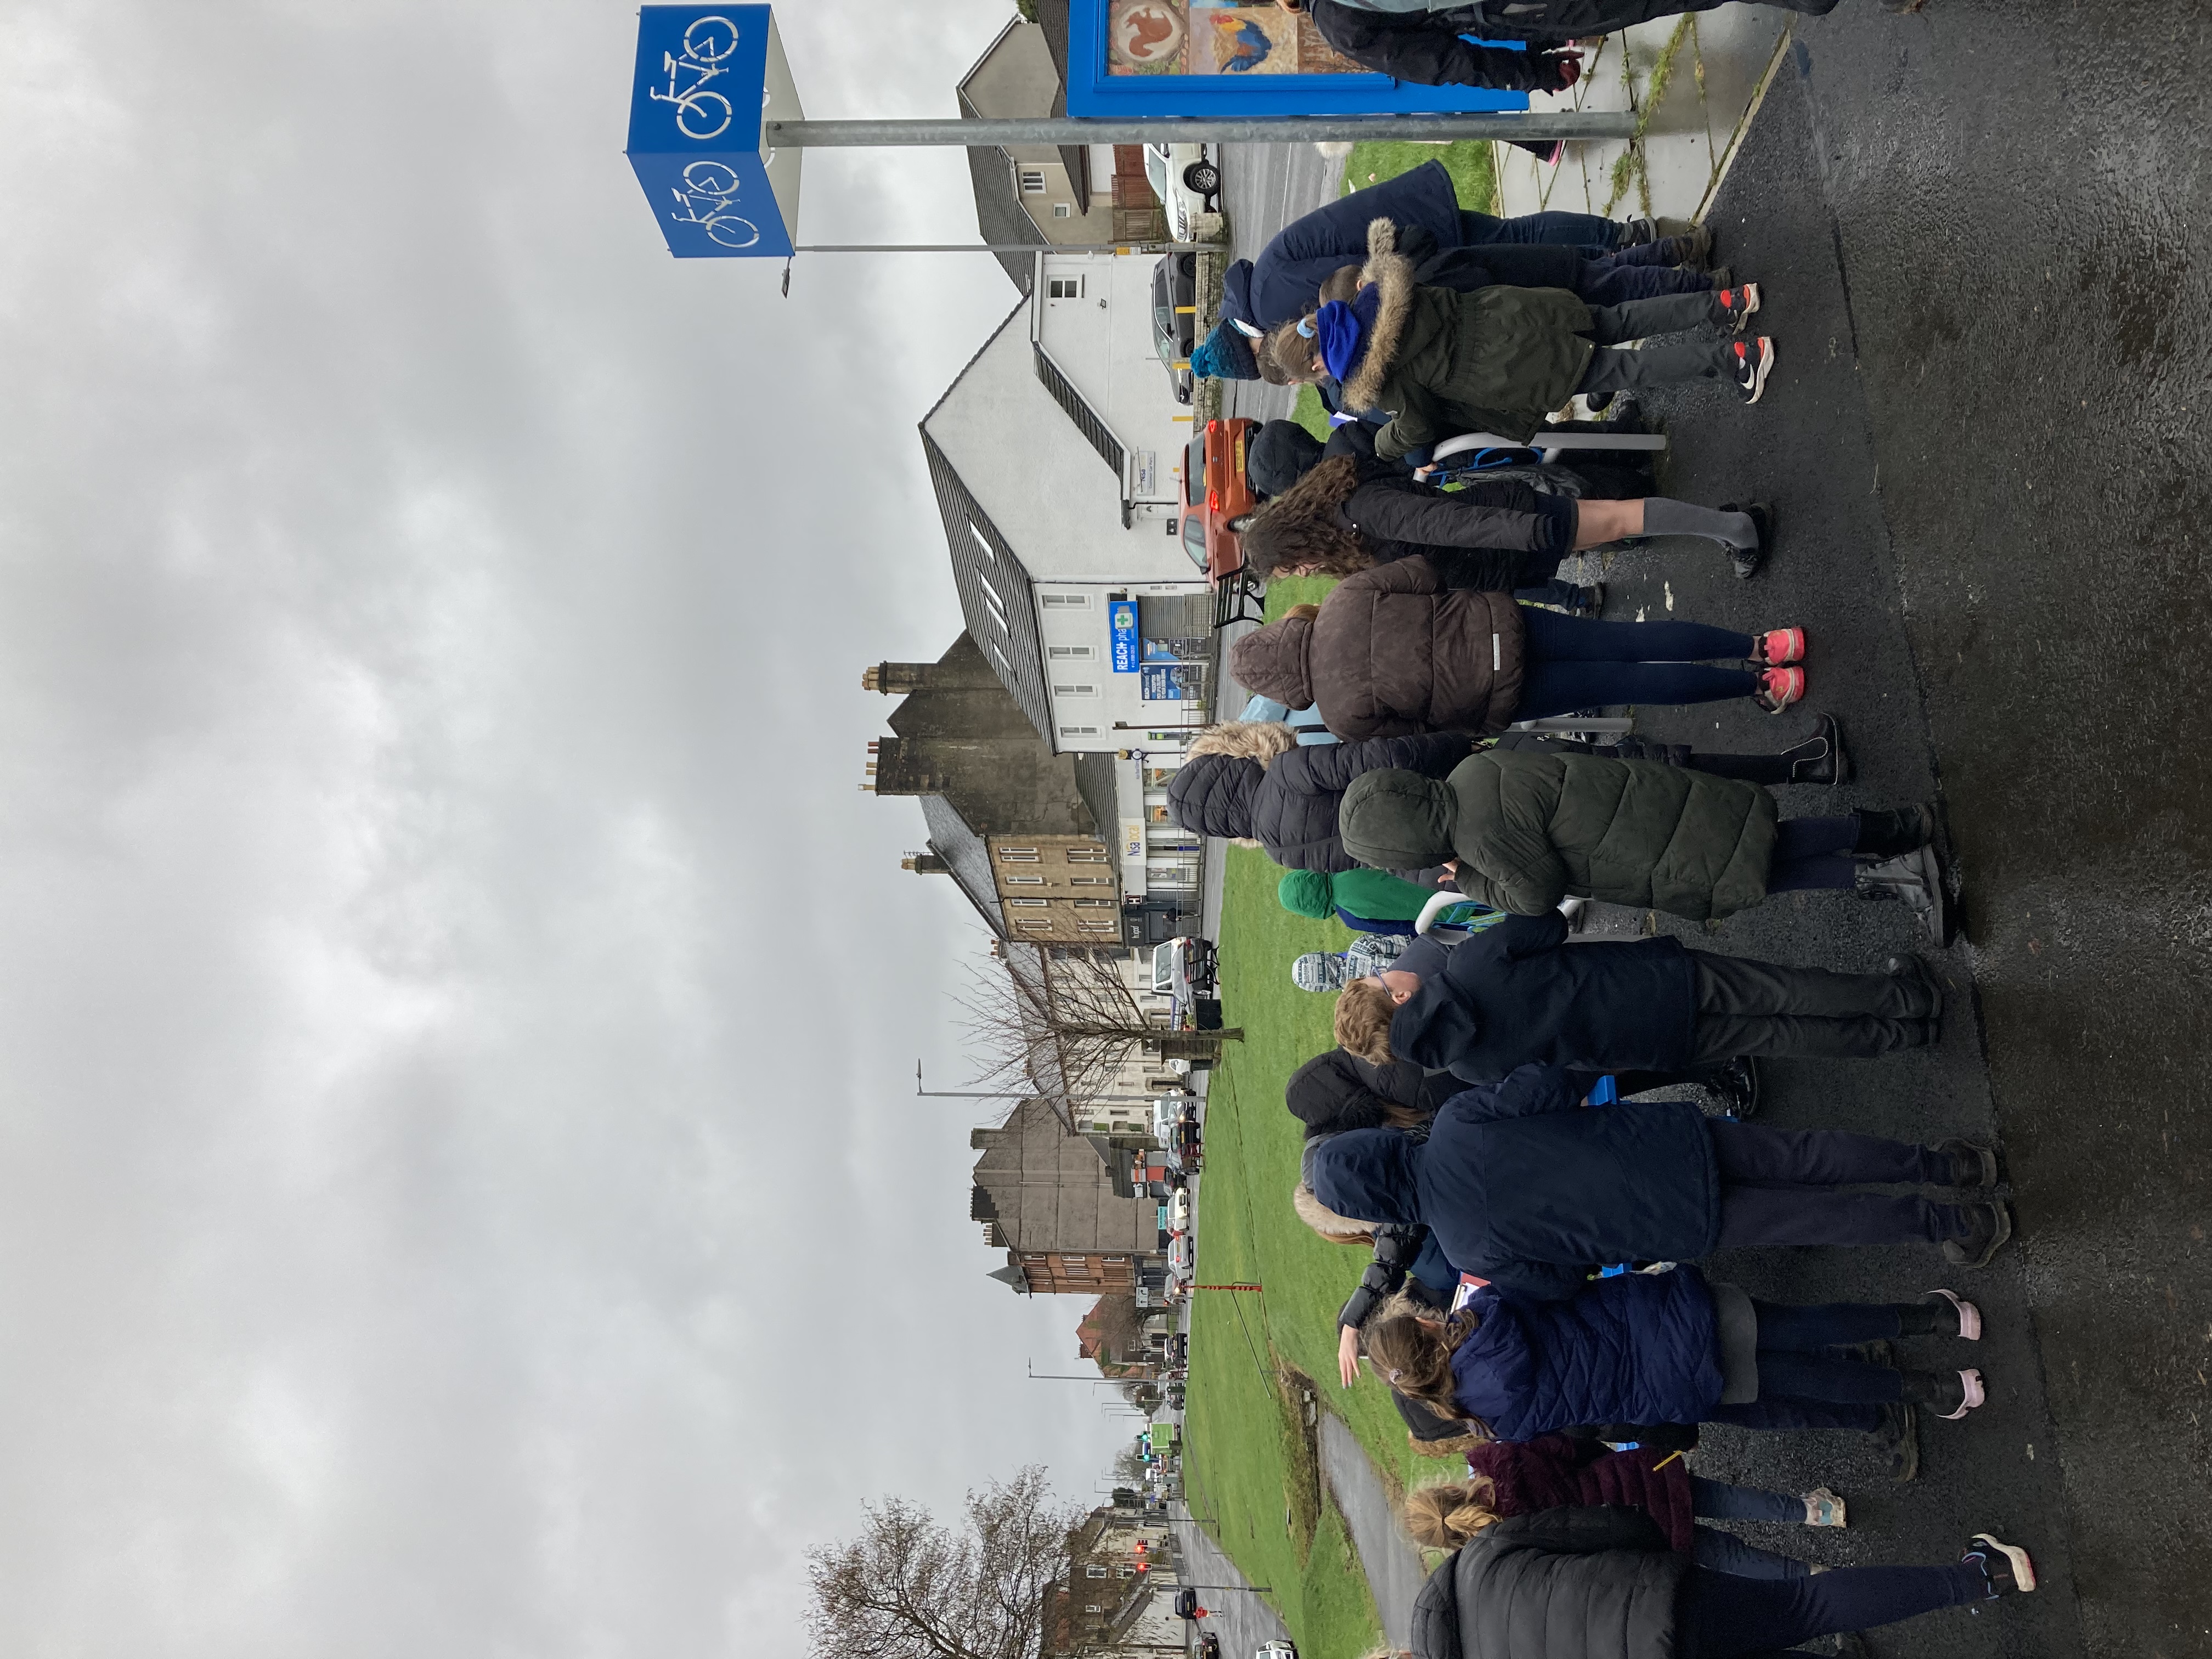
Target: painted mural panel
[[1217, 37]]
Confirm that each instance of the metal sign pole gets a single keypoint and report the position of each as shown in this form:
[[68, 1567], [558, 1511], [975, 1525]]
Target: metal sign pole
[[1192, 130]]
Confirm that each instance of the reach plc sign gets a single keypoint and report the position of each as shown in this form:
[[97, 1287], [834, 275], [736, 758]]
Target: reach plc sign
[[707, 80]]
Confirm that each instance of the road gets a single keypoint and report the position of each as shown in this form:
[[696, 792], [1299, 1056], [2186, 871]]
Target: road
[[1263, 188], [1241, 1618], [1985, 238]]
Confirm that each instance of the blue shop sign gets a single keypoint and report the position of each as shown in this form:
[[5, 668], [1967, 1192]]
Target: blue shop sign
[[705, 80], [1184, 683], [1122, 616]]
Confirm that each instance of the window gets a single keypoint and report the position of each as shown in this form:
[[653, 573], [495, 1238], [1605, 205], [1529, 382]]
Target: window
[[1094, 1571], [1032, 181], [1087, 881], [982, 541], [1066, 601], [1094, 904], [1063, 288], [1070, 653], [1086, 855], [1018, 855], [997, 603], [1033, 926], [1097, 926], [1073, 688], [1024, 881], [1079, 731], [1029, 904], [1128, 1572], [1062, 210]]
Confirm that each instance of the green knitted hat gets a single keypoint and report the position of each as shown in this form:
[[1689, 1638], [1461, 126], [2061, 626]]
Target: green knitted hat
[[1306, 893]]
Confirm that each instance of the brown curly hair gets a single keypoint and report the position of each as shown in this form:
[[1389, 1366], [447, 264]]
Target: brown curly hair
[[1300, 529]]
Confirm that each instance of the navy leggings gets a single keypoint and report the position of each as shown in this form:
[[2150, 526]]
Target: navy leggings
[[1800, 1386], [1568, 663], [1814, 853], [1719, 1616]]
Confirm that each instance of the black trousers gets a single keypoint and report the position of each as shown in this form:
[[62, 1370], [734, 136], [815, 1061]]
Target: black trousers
[[1764, 1008], [1557, 22], [1778, 1186]]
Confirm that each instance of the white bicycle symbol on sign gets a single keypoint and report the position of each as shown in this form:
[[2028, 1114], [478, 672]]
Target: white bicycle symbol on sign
[[714, 185], [707, 44]]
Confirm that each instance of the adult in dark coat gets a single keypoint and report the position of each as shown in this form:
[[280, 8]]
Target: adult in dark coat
[[1602, 1583], [1285, 280], [1289, 803], [1522, 1185], [1517, 994], [1424, 45]]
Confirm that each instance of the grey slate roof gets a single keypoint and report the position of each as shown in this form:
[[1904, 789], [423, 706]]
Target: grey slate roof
[[997, 594], [967, 860]]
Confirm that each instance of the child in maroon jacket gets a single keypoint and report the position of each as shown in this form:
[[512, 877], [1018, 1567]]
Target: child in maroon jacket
[[1557, 1471]]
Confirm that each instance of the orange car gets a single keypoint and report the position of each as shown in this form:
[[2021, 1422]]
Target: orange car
[[1216, 497]]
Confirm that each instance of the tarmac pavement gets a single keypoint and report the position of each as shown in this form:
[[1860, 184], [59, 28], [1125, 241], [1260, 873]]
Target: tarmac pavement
[[1241, 1618]]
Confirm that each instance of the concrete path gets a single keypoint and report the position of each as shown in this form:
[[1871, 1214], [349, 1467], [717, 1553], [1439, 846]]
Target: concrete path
[[1241, 1618], [1709, 70], [1391, 1560]]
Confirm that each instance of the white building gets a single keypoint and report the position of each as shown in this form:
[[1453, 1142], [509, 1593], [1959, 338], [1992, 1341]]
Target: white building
[[1057, 458]]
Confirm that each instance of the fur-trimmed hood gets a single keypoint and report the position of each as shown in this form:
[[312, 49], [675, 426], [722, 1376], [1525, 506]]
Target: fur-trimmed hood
[[1392, 273]]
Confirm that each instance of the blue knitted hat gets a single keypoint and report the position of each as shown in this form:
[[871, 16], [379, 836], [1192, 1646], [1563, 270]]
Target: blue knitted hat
[[1225, 354]]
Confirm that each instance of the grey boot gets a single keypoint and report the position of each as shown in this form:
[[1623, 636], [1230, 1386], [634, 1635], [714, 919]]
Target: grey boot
[[1916, 879]]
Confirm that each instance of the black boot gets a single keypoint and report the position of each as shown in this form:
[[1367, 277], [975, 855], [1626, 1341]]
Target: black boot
[[1929, 1002], [1821, 758], [1884, 834], [1971, 1164], [1735, 1085], [1900, 1436], [1988, 1225]]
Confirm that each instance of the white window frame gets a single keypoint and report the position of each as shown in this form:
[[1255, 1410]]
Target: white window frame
[[1071, 653], [1075, 689], [1063, 288], [1065, 601], [1032, 180]]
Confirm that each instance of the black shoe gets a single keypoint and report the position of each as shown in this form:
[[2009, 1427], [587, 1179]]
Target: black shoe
[[1899, 1435], [1929, 1005], [1972, 1164], [1821, 758], [1748, 562], [1949, 1394], [1735, 1085], [2005, 1565], [1991, 1225], [1888, 835], [1589, 601]]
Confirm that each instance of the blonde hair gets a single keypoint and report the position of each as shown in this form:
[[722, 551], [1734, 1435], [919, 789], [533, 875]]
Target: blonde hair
[[1253, 740], [1336, 1229], [1362, 1021], [1445, 1516], [1414, 1355]]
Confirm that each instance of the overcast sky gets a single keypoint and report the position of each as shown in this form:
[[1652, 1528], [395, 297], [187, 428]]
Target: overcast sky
[[462, 1192]]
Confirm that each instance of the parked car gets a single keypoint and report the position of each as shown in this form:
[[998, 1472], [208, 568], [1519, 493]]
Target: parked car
[[1167, 1111], [1179, 1213], [1174, 317], [1183, 1257], [1186, 1604], [1218, 502], [1183, 966], [1188, 1147], [1179, 1348], [1277, 1651], [1187, 181], [1209, 1646]]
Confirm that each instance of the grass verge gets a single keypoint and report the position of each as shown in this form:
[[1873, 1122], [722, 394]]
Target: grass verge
[[1473, 175]]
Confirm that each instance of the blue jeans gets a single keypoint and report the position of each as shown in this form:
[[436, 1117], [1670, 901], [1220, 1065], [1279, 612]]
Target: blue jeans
[[1587, 231], [1569, 663], [1720, 1616]]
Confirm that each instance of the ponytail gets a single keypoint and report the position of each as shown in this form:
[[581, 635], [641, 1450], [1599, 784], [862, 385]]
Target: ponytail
[[1445, 1517], [1415, 1359]]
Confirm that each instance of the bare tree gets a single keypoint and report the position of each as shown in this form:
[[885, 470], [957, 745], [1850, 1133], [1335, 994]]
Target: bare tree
[[911, 1588], [1064, 1026]]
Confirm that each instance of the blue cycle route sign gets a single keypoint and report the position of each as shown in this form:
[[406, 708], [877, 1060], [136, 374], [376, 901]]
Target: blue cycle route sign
[[707, 78]]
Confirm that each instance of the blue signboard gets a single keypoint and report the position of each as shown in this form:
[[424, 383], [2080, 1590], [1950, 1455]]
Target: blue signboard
[[706, 78], [1122, 614], [1184, 683], [1220, 57]]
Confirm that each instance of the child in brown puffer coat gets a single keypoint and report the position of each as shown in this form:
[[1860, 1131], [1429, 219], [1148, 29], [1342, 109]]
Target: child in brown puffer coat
[[1557, 1471]]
